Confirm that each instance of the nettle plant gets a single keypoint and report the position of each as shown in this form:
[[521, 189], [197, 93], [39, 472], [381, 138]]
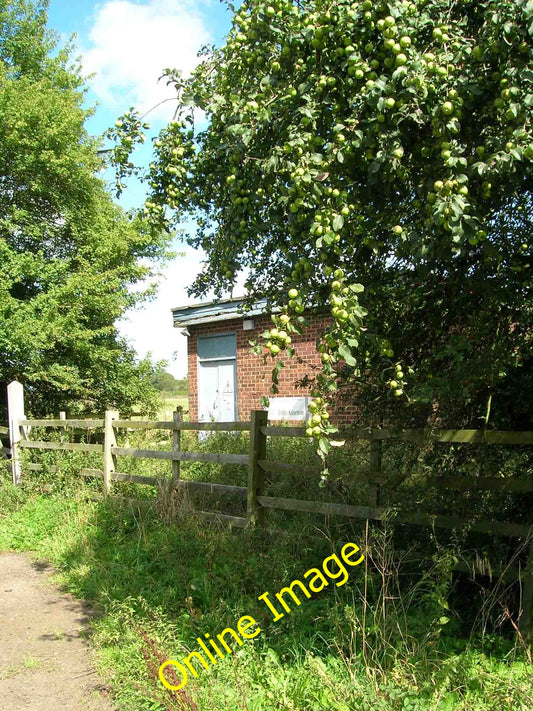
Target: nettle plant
[[373, 160]]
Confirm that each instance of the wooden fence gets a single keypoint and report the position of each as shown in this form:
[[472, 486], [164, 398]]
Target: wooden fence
[[257, 502], [5, 452]]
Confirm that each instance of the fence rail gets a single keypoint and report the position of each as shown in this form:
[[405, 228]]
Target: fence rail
[[258, 465], [416, 435], [67, 446], [5, 452], [80, 424]]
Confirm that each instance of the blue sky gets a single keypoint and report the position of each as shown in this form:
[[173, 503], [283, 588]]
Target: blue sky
[[127, 44]]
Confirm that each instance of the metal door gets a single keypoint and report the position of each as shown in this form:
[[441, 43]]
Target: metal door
[[216, 394], [217, 378]]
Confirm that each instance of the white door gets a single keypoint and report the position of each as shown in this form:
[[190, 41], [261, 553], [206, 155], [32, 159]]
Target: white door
[[216, 391]]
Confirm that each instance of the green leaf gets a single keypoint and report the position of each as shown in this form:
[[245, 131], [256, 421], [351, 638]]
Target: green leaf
[[338, 223], [345, 353], [357, 288], [324, 445], [337, 442]]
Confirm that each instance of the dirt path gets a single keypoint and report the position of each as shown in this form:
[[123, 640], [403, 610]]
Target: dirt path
[[44, 658]]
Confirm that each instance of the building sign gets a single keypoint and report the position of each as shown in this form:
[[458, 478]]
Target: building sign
[[288, 408]]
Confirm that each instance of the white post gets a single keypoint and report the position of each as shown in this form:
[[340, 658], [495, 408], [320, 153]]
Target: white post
[[15, 413]]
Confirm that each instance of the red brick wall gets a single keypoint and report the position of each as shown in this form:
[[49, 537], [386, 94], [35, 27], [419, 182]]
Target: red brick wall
[[254, 377]]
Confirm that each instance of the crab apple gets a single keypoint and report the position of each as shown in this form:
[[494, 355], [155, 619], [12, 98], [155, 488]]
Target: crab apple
[[447, 108]]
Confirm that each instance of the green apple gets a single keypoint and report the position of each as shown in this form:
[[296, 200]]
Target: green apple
[[447, 108]]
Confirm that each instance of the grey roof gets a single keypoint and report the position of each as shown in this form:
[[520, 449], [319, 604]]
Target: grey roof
[[211, 311]]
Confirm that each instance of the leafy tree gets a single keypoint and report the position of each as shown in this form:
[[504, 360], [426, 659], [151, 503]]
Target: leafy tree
[[182, 386], [166, 382], [68, 254], [374, 159]]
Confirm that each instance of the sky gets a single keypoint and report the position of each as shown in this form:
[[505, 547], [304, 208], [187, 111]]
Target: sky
[[126, 45]]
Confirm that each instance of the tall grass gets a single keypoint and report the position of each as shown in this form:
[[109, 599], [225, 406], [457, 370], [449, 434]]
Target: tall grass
[[403, 633], [385, 640]]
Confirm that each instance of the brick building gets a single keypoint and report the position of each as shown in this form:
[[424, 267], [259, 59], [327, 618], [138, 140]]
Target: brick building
[[227, 380]]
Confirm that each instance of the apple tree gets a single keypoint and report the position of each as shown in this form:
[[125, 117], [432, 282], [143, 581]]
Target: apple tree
[[374, 160]]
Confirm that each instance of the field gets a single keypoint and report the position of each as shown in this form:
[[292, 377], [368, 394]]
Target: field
[[169, 403]]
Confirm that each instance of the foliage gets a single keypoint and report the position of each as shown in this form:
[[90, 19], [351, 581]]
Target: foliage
[[158, 587], [373, 159], [166, 382], [68, 255]]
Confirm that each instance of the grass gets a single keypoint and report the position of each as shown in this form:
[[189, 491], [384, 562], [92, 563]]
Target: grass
[[394, 637], [168, 403], [159, 582], [14, 670]]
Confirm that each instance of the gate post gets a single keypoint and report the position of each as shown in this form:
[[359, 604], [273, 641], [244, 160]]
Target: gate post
[[256, 475], [15, 413]]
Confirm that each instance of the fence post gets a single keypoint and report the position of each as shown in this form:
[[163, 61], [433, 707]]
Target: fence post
[[110, 441], [376, 460], [526, 618], [176, 447], [63, 416], [15, 410], [256, 475]]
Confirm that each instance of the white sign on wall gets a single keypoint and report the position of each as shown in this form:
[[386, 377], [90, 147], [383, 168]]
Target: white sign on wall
[[289, 408]]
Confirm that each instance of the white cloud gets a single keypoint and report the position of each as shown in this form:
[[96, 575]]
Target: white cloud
[[150, 329], [130, 44]]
